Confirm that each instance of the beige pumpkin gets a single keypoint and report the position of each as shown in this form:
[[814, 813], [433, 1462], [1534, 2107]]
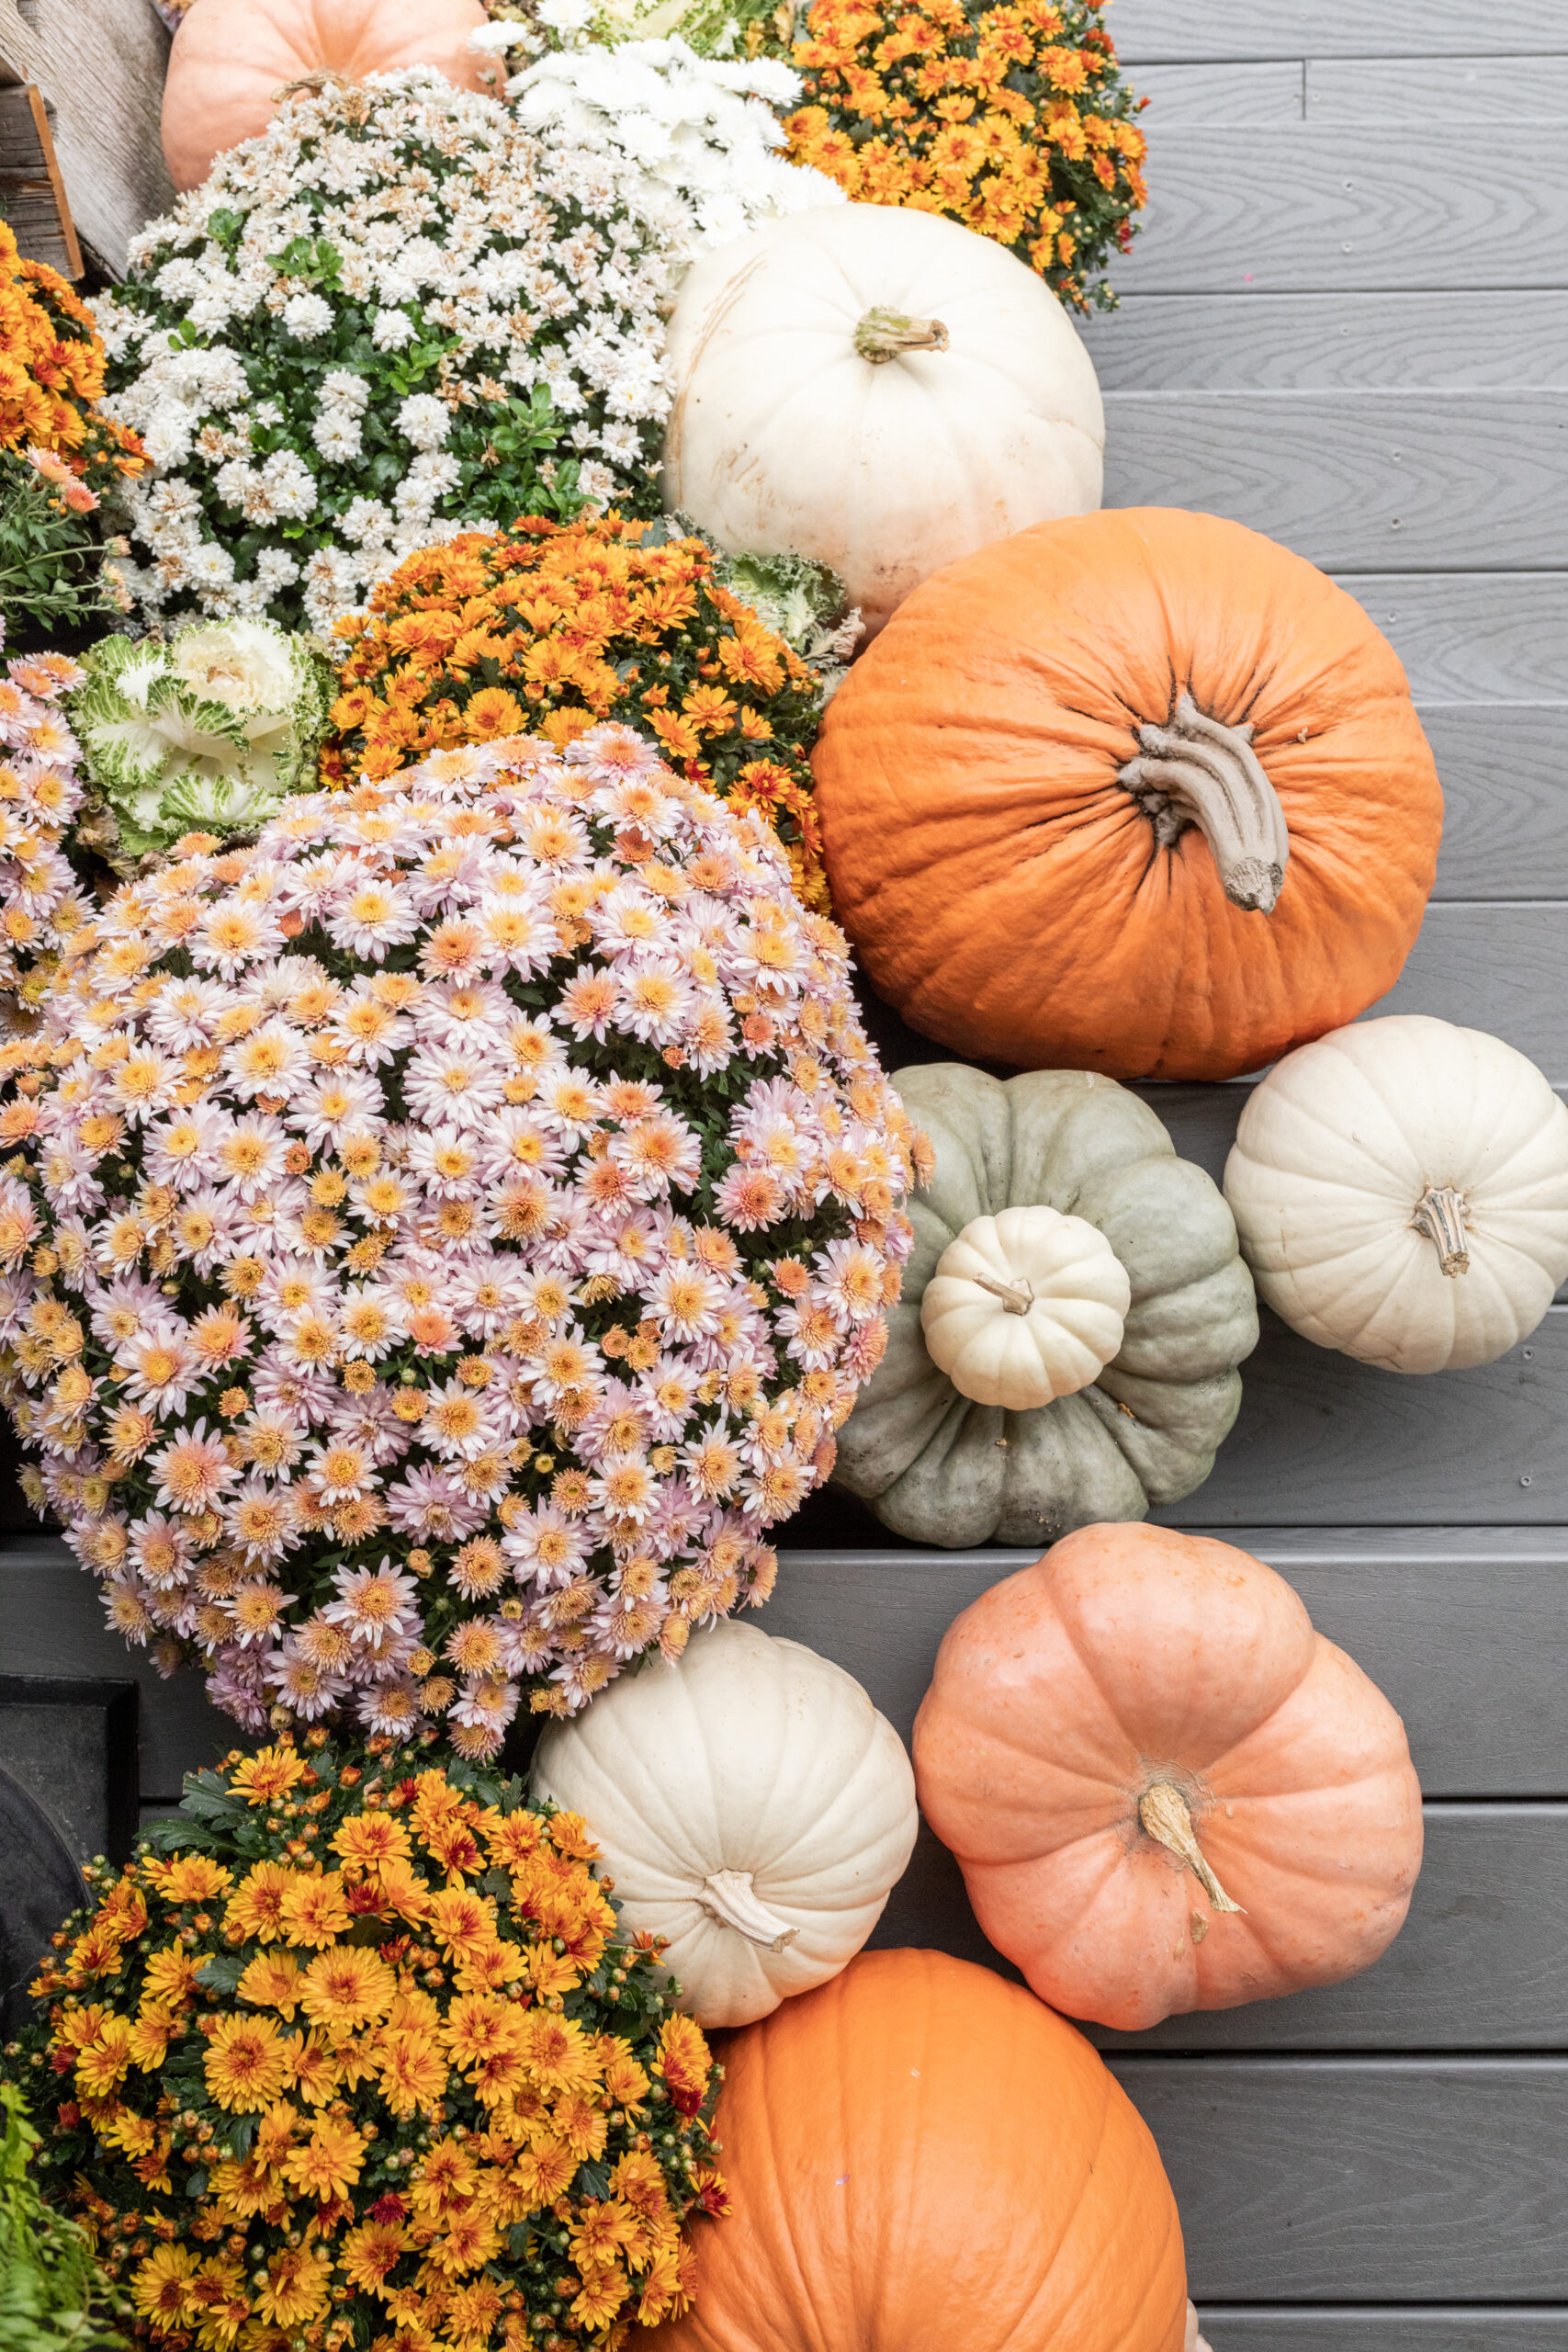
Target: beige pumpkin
[[1024, 1308], [879, 389], [232, 58]]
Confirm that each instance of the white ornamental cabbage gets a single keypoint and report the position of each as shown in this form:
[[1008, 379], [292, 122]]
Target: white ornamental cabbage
[[210, 731]]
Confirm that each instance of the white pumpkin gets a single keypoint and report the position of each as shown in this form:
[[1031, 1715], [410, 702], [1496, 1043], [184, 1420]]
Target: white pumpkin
[[1024, 1308], [751, 1806], [1400, 1192], [880, 389]]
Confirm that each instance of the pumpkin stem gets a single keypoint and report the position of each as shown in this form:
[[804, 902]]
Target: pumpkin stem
[[1197, 771], [1439, 1215], [1163, 1811], [883, 335], [729, 1896], [1017, 1298]]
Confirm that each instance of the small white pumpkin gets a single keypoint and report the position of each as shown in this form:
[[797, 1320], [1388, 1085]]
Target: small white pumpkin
[[751, 1806], [880, 389], [1400, 1192], [1024, 1308]]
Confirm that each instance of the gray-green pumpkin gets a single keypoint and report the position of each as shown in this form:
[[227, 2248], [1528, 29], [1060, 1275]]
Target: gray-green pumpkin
[[943, 1467]]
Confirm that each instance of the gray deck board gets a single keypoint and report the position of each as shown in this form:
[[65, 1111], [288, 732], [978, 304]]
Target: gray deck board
[[1174, 31], [1423, 88], [1306, 343], [1320, 208], [1473, 2327], [1474, 636], [1391, 2180], [1271, 93], [1357, 481]]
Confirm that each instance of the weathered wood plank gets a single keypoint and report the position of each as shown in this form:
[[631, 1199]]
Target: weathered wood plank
[[1316, 2179], [1357, 481], [101, 64], [1462, 1627], [1172, 31], [1222, 93], [1498, 967], [1236, 2327], [1474, 636], [1423, 89], [1319, 207], [1303, 343], [1481, 1963], [53, 1625], [32, 193], [1323, 1441], [1505, 812]]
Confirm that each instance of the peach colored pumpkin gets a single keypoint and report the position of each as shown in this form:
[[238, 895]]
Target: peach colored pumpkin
[[230, 59], [1165, 1790], [922, 2158]]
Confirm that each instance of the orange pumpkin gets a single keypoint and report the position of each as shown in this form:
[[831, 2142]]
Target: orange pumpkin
[[231, 58], [921, 2157], [1138, 792], [1165, 1790]]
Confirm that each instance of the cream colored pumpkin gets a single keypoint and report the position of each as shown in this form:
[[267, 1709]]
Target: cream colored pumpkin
[[751, 1806], [1400, 1192], [1025, 1307], [880, 389]]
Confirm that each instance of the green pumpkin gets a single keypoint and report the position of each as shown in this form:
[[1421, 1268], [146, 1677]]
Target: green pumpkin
[[943, 1469]]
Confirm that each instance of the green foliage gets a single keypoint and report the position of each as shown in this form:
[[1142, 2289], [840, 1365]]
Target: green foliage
[[52, 2298], [51, 562]]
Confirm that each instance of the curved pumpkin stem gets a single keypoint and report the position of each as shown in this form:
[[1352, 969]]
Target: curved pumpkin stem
[[883, 335], [1017, 1298], [1439, 1215], [1197, 771], [1163, 1811], [729, 1896]]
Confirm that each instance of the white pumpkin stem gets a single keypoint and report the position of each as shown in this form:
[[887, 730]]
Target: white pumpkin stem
[[729, 1896], [1197, 771], [883, 335], [1439, 1215], [1163, 1811], [1017, 1298]]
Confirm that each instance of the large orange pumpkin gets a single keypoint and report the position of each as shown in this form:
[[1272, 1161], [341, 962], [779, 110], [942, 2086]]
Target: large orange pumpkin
[[230, 59], [1165, 1790], [922, 2158], [1138, 792]]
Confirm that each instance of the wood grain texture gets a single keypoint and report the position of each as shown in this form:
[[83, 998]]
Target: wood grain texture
[[1357, 481], [1323, 1441], [1481, 1963], [1498, 967], [1320, 208], [1474, 636], [101, 64], [1423, 89], [1222, 93], [1475, 2327], [1173, 30], [1335, 2180], [1504, 766], [1303, 343], [1461, 1627], [32, 192]]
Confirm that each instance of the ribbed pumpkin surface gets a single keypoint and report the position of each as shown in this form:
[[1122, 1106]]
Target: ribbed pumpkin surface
[[1008, 894], [924, 2158]]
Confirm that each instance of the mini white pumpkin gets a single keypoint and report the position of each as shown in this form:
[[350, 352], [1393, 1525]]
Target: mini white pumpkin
[[880, 389], [751, 1806], [1025, 1307], [1400, 1192]]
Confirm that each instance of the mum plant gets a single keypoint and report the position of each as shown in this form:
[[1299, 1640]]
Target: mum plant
[[554, 629], [1013, 119], [354, 2051], [399, 313], [41, 905], [53, 2297], [209, 728], [440, 1239]]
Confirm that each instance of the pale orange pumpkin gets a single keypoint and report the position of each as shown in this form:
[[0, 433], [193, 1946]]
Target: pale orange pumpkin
[[1138, 792], [1165, 1790], [921, 2157], [231, 58]]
